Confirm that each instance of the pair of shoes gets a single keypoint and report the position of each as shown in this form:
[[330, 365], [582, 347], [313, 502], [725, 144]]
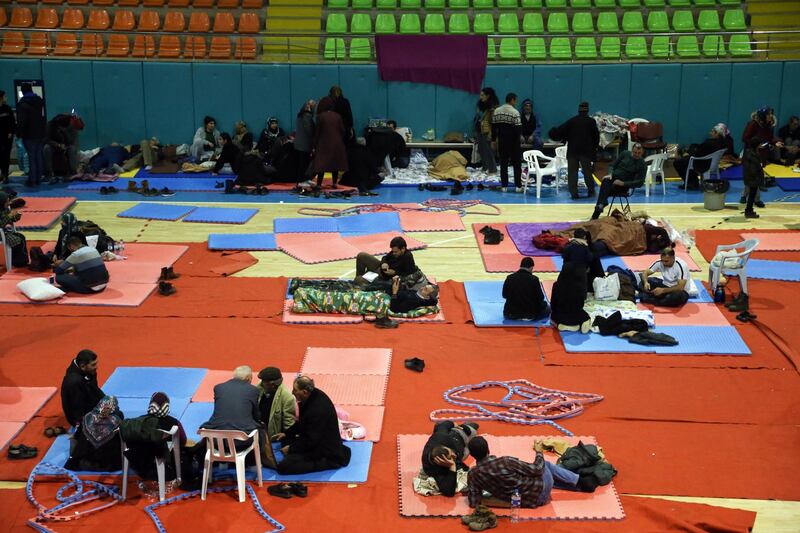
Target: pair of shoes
[[415, 363], [167, 273], [481, 519], [52, 432], [166, 192], [132, 187], [220, 185], [149, 192], [108, 190], [385, 323], [22, 452], [760, 204], [166, 288], [740, 303], [287, 490], [751, 214]]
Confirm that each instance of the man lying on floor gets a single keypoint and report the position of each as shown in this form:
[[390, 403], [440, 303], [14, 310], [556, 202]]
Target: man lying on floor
[[672, 288], [443, 469], [83, 271]]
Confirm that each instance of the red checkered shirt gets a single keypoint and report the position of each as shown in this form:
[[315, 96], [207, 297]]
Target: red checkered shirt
[[500, 476]]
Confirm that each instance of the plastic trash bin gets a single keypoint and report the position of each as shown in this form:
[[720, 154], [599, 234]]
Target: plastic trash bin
[[714, 194]]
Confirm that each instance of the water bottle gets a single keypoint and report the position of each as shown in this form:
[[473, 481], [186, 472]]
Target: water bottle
[[719, 295], [516, 504]]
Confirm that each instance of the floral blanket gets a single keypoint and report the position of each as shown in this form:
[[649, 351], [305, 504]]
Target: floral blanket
[[309, 300]]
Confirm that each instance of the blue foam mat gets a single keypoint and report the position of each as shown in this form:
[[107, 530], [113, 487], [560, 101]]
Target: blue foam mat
[[195, 414], [221, 215], [486, 303], [242, 241], [133, 407], [157, 211], [777, 270], [789, 184], [369, 223], [703, 297], [735, 172], [59, 453], [606, 261], [305, 225], [709, 340], [143, 381]]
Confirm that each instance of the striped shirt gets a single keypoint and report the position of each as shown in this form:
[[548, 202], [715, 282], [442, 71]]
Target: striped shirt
[[89, 267]]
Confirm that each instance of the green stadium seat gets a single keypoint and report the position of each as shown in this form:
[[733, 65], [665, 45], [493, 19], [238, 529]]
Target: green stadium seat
[[459, 23], [410, 4], [659, 47], [360, 49], [360, 23], [582, 22], [490, 50], [361, 4], [605, 4], [654, 3], [409, 23], [337, 4], [557, 23], [705, 3], [385, 23], [739, 46], [555, 4], [581, 4], [585, 48], [334, 48], [483, 4], [730, 2], [680, 3], [733, 20], [510, 49], [636, 47], [434, 23], [532, 23], [531, 4], [683, 20], [687, 46], [483, 23], [508, 23], [336, 23], [386, 4], [506, 4], [632, 22], [434, 4], [657, 22], [458, 4], [610, 48], [630, 4], [713, 46], [535, 49], [607, 22], [560, 48], [708, 20]]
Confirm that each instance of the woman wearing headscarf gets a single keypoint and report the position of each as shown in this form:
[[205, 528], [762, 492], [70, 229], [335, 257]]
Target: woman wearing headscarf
[[487, 103], [762, 125], [341, 105], [569, 295], [270, 136], [304, 137], [531, 125], [329, 152], [14, 239], [714, 142], [97, 443]]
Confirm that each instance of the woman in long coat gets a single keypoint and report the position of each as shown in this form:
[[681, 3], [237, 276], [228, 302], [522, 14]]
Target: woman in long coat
[[330, 154]]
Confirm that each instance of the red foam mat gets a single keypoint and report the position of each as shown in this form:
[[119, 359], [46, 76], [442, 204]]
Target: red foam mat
[[19, 404], [690, 314], [378, 243], [351, 389], [290, 317], [431, 221], [326, 187], [44, 203], [369, 416], [38, 219], [119, 293], [505, 257], [775, 242], [638, 263], [347, 361], [316, 247], [9, 430], [603, 504]]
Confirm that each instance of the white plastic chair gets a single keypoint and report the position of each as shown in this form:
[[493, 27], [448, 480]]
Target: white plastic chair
[[732, 265], [174, 447], [552, 168], [221, 448], [7, 253], [655, 167], [713, 168]]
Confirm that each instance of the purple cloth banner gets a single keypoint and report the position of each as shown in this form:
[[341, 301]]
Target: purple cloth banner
[[457, 61], [522, 234]]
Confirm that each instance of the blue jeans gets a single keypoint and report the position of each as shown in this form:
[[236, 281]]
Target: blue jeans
[[35, 149], [558, 477]]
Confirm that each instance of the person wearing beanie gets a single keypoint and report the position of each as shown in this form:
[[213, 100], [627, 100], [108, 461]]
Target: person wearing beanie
[[715, 141], [531, 125], [276, 404], [206, 142], [8, 126], [582, 138]]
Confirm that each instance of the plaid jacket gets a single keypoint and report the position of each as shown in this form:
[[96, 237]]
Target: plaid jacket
[[500, 476]]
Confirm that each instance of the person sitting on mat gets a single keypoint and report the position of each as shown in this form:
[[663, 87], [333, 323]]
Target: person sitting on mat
[[206, 142], [79, 389], [276, 405], [523, 293], [83, 271], [97, 441], [670, 290], [230, 156], [625, 174], [580, 250], [14, 239], [314, 442], [398, 262], [569, 295], [501, 476], [444, 453]]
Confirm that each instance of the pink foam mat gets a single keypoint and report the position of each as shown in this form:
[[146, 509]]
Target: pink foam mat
[[118, 293], [205, 391], [347, 361], [603, 504], [38, 219], [44, 203], [290, 317], [505, 257], [351, 389], [369, 416], [19, 404], [378, 243], [9, 430], [775, 242], [690, 314], [431, 221], [316, 247]]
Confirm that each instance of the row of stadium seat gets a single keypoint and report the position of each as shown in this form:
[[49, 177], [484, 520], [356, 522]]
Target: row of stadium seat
[[144, 46], [125, 20], [533, 23], [203, 4], [513, 4], [560, 48]]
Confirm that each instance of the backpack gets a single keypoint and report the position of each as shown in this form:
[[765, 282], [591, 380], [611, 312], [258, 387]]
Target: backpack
[[141, 429], [491, 235], [623, 272]]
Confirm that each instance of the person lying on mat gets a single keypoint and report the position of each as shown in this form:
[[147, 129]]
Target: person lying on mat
[[670, 290], [314, 442], [523, 293], [398, 262], [97, 442], [406, 300], [444, 453], [276, 405], [626, 173], [501, 476], [83, 271], [79, 389]]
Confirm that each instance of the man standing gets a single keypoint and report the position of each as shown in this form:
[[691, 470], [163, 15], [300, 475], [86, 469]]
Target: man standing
[[32, 129], [507, 129], [83, 271], [626, 173], [671, 289], [582, 137], [277, 406], [79, 390], [398, 262], [8, 126], [313, 443], [523, 293]]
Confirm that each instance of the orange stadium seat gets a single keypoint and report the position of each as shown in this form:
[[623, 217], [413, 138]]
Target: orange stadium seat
[[205, 4], [92, 44], [194, 48], [3, 17], [249, 22], [252, 4], [246, 48], [46, 18], [128, 3], [149, 21], [26, 1], [98, 20], [103, 2], [13, 43], [77, 2], [124, 20], [220, 48], [223, 23], [153, 3], [227, 4], [118, 46], [21, 17], [174, 21], [178, 3], [66, 44], [144, 46], [59, 2], [199, 22], [38, 44], [169, 45], [72, 19]]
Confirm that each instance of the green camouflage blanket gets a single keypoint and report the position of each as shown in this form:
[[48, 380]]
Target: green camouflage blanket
[[308, 300]]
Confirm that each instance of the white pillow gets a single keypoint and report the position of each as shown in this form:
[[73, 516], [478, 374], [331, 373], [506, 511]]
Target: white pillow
[[39, 289]]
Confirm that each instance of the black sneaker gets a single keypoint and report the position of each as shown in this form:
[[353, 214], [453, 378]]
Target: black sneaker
[[415, 363], [760, 204], [751, 214], [166, 288], [385, 323]]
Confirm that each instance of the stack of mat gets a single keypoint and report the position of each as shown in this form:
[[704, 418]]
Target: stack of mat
[[40, 212]]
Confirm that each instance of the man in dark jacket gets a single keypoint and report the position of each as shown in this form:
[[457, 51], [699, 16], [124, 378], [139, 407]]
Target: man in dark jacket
[[716, 141], [32, 129], [444, 453], [523, 293], [8, 126], [60, 152], [582, 137], [626, 173], [398, 262], [507, 129], [79, 390], [313, 443]]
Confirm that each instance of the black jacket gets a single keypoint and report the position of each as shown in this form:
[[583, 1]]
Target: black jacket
[[79, 394], [402, 265], [8, 124], [445, 479], [707, 147], [406, 300], [31, 122], [235, 407], [524, 297], [230, 154], [316, 432], [582, 135], [341, 106]]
